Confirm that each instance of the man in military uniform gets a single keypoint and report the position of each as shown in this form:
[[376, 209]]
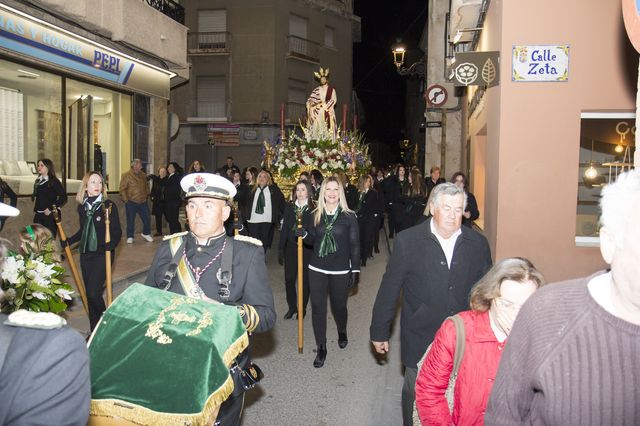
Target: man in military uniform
[[198, 259]]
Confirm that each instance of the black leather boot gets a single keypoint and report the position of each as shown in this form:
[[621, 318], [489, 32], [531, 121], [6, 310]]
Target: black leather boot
[[321, 355], [342, 340], [289, 313]]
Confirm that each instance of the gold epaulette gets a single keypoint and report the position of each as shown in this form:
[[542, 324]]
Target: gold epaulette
[[177, 234], [246, 239]]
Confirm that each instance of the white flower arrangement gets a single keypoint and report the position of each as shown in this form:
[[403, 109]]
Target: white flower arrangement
[[33, 281]]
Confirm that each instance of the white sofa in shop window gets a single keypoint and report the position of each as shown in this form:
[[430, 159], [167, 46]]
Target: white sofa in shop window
[[18, 175]]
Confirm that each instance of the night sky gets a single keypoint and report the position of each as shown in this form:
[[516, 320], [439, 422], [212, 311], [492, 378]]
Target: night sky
[[375, 80]]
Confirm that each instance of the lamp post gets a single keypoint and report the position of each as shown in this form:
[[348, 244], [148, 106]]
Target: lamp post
[[417, 69]]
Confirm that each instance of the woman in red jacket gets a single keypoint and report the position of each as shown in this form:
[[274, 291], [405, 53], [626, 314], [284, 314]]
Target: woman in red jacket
[[495, 301]]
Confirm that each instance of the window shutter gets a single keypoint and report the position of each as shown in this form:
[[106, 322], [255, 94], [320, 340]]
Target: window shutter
[[298, 26], [212, 97]]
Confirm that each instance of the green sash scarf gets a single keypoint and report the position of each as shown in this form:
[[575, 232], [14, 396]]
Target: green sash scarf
[[328, 244], [89, 237], [261, 202], [299, 212]]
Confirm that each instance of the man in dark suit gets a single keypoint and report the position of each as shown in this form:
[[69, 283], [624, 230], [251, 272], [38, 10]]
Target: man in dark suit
[[433, 180], [435, 264]]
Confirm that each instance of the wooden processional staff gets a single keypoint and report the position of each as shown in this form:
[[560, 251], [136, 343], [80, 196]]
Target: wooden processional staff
[[300, 307], [72, 263]]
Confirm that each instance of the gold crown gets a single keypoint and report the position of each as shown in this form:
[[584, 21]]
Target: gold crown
[[322, 73]]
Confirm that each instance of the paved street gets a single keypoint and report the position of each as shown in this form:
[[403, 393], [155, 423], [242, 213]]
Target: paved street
[[351, 389]]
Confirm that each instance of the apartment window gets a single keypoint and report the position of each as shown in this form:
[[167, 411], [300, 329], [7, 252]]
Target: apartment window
[[298, 26], [328, 37], [297, 99], [212, 100], [212, 29]]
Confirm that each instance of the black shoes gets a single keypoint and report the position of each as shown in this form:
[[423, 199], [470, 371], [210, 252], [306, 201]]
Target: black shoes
[[376, 250], [342, 340], [304, 314], [321, 355], [289, 314]]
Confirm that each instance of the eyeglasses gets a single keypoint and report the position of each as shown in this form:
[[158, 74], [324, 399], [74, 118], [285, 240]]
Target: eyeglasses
[[507, 304]]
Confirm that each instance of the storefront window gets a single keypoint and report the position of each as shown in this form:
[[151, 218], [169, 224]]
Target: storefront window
[[98, 133], [30, 124], [607, 146]]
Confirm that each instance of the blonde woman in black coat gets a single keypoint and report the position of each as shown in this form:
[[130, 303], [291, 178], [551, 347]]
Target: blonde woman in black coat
[[335, 263]]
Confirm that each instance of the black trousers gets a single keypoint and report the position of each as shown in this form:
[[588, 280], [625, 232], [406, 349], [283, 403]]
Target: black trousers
[[376, 235], [391, 219], [158, 211], [230, 411], [171, 213], [94, 274], [261, 231], [368, 228], [336, 285], [291, 275], [47, 221]]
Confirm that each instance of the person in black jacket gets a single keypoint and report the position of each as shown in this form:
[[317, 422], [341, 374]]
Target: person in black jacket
[[92, 200], [433, 265], [335, 263], [48, 194], [368, 210], [434, 179], [6, 191], [158, 182], [302, 205], [350, 191], [400, 187], [266, 203], [413, 202], [471, 212], [173, 197]]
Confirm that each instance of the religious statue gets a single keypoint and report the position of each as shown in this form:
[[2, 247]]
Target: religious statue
[[269, 153], [322, 101]]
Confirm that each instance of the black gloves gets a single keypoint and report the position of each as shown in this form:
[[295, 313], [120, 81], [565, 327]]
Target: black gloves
[[354, 279], [280, 258], [300, 232]]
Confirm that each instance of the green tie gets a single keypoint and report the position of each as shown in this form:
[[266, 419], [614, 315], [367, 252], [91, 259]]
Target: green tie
[[260, 203], [89, 238]]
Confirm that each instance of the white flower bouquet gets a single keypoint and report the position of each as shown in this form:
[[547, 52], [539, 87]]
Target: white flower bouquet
[[34, 281]]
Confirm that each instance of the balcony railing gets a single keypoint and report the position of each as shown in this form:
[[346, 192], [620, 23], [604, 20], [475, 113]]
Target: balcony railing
[[296, 112], [208, 43], [170, 8], [303, 49]]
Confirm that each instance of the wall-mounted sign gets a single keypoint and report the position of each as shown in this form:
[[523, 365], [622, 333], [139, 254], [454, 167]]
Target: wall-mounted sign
[[436, 95], [250, 134], [31, 37], [434, 124], [223, 134], [476, 69], [540, 63]]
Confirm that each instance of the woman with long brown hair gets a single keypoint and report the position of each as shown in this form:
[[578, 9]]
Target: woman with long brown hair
[[48, 195]]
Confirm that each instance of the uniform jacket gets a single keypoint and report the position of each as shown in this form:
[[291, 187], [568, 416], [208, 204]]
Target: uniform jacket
[[475, 377], [289, 223], [370, 205], [44, 379], [351, 195], [134, 187], [115, 230], [48, 194], [347, 236], [430, 290], [277, 203], [249, 284]]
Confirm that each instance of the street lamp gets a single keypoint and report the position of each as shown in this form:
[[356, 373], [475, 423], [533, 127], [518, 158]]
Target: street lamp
[[416, 69]]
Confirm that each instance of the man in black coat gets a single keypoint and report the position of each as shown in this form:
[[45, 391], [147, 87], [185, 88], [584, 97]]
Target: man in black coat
[[435, 264]]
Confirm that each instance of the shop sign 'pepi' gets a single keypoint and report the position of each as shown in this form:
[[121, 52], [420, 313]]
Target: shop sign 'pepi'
[[540, 63]]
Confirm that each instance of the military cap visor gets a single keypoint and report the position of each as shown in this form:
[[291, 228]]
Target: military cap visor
[[207, 185]]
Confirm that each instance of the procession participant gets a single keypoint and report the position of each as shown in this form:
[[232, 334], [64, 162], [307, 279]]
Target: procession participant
[[48, 194], [288, 246], [368, 210], [194, 264], [334, 265], [266, 202], [92, 202]]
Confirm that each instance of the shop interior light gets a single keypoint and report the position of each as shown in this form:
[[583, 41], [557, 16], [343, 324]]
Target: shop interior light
[[619, 149], [29, 73], [591, 172]]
